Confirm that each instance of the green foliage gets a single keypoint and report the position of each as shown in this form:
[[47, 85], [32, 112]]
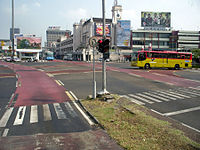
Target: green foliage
[[24, 44], [134, 129], [196, 53]]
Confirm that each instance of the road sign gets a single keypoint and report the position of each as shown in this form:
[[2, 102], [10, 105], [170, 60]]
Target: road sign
[[93, 41]]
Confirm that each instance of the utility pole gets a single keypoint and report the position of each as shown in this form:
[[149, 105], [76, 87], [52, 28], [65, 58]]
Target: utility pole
[[104, 91], [13, 44]]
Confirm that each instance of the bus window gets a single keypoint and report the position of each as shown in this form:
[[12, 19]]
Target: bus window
[[155, 55], [187, 56], [134, 56], [163, 55], [142, 56], [172, 56], [149, 55], [182, 56]]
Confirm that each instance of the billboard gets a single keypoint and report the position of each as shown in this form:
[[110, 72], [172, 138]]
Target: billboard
[[98, 29], [156, 19], [123, 33], [29, 43]]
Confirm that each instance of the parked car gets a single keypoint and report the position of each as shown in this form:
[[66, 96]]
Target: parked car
[[8, 59], [16, 59], [107, 60]]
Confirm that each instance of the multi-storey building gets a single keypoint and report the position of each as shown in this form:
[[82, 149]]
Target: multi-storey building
[[146, 38], [16, 31], [83, 31], [165, 40], [53, 34], [186, 39], [64, 47]]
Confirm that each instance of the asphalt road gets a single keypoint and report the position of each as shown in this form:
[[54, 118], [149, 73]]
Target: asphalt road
[[7, 85], [171, 93]]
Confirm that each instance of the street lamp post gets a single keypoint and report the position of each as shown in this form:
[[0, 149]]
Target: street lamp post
[[13, 44]]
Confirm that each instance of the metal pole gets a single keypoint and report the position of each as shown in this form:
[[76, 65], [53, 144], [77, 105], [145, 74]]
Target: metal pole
[[13, 44], [103, 60], [94, 81]]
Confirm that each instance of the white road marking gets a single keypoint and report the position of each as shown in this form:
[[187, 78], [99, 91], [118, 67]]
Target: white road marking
[[191, 127], [157, 112], [191, 92], [58, 82], [164, 96], [153, 99], [133, 100], [181, 111], [132, 74], [196, 88], [142, 99], [70, 109], [80, 110], [34, 114], [6, 117], [5, 133], [59, 111], [161, 98], [20, 115], [172, 95], [175, 93], [61, 82], [46, 112]]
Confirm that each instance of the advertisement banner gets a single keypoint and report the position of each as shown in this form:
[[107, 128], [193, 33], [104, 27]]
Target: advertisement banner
[[29, 43], [98, 30], [123, 33], [156, 19]]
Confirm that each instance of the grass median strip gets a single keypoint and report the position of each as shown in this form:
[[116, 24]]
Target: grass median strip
[[133, 129]]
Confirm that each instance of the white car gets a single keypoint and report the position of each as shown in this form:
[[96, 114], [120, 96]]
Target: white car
[[16, 59]]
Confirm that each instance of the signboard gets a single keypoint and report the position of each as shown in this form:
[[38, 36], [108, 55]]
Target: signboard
[[156, 19], [98, 29], [123, 33], [29, 43]]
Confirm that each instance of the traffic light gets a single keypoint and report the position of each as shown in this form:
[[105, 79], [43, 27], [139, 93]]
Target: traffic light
[[100, 46], [106, 53]]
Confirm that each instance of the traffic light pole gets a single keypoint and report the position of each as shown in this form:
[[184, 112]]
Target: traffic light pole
[[104, 91], [94, 76]]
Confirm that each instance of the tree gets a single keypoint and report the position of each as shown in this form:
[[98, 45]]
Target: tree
[[196, 54]]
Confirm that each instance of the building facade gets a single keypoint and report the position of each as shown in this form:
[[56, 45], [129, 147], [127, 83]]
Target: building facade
[[150, 38], [16, 31], [165, 40], [186, 39], [64, 47], [54, 34], [83, 31]]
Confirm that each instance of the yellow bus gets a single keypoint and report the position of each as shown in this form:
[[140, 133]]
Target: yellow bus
[[161, 59]]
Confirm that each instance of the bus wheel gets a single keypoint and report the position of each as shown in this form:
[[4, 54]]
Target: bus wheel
[[177, 67], [147, 66]]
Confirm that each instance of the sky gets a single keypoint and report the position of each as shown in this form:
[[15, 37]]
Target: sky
[[35, 16]]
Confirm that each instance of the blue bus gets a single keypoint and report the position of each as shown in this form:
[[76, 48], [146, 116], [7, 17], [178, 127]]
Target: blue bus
[[49, 55]]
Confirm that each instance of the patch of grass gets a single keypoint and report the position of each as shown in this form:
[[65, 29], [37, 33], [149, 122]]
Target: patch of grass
[[134, 130]]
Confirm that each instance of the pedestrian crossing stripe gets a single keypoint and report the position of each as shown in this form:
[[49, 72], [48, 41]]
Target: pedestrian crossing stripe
[[152, 97], [18, 113]]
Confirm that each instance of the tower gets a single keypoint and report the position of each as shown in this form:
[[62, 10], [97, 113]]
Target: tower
[[116, 15], [116, 12]]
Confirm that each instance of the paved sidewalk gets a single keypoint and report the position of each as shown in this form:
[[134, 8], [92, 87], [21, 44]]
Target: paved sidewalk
[[89, 140]]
